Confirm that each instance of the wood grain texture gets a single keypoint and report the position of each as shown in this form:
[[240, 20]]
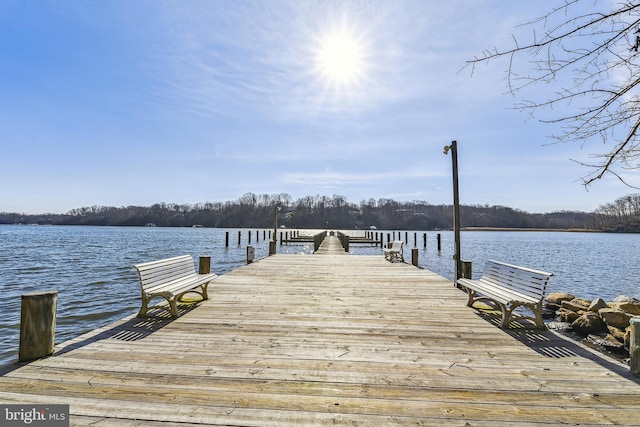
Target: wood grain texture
[[328, 340]]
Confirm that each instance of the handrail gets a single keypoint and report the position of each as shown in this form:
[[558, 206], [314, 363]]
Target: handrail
[[344, 241], [317, 240]]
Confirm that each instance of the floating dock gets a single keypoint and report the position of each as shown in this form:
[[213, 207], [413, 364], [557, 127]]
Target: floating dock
[[328, 339]]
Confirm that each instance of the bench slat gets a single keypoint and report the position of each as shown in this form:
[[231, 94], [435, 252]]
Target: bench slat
[[504, 295], [179, 285], [533, 289], [163, 276]]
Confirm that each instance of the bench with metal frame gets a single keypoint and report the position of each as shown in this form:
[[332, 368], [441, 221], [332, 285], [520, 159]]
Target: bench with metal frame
[[395, 252], [170, 279], [508, 287]]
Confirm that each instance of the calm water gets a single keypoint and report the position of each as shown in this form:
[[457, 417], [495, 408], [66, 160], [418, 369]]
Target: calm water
[[91, 267]]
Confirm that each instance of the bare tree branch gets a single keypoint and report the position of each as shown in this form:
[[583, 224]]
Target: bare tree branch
[[592, 58]]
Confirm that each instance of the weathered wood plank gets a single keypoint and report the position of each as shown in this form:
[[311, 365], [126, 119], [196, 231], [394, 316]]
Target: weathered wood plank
[[325, 340]]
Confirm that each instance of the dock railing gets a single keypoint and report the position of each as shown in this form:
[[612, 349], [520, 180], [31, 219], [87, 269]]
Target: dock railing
[[317, 240]]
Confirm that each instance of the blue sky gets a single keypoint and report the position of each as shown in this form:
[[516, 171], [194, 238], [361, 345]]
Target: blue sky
[[121, 103]]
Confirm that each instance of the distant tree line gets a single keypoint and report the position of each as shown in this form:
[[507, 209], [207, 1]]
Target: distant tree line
[[622, 215], [336, 212]]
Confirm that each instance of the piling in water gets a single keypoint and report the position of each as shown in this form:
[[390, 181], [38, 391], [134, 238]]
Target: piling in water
[[37, 325], [634, 347]]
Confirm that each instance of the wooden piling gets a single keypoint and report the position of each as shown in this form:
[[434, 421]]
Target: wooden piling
[[424, 238], [251, 253], [226, 240], [439, 243], [204, 265], [239, 237], [414, 256], [466, 272], [634, 347], [37, 325]]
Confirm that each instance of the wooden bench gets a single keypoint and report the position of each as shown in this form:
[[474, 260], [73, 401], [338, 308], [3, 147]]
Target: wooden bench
[[170, 279], [395, 252], [509, 287]]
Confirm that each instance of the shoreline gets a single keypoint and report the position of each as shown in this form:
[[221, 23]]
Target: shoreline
[[567, 230]]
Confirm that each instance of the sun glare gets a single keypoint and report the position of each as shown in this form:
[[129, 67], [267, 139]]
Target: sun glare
[[340, 59]]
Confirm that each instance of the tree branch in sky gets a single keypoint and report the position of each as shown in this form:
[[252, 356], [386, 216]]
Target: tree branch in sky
[[587, 60]]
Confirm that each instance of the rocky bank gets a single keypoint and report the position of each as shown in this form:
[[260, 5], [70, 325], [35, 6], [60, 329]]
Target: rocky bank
[[603, 324]]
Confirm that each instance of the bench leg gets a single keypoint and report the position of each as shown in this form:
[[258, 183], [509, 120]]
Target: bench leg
[[144, 308], [173, 307], [395, 256], [537, 311], [506, 314], [471, 294]]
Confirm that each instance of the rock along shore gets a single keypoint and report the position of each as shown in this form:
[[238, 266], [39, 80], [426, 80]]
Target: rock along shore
[[602, 324]]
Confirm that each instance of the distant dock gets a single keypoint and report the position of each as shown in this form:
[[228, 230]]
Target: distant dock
[[327, 339]]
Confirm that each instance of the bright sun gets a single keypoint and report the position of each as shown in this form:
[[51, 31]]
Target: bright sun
[[340, 59]]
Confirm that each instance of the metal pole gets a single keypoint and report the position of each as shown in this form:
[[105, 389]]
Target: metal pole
[[275, 222], [456, 206]]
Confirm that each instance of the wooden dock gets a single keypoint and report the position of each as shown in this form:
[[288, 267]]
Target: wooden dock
[[328, 339]]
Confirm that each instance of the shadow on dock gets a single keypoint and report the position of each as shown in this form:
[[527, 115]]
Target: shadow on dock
[[131, 328], [556, 345]]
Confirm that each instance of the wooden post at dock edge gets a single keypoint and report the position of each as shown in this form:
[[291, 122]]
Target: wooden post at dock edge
[[251, 254], [414, 256], [634, 347], [204, 266], [466, 269], [37, 325]]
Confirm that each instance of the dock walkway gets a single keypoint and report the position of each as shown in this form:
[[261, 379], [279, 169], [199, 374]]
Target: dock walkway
[[330, 246], [328, 339]]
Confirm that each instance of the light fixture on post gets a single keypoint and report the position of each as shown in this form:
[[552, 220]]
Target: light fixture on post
[[456, 207], [272, 243]]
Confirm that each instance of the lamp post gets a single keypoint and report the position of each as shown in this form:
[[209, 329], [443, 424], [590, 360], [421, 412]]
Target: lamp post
[[272, 244], [276, 208], [456, 206]]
